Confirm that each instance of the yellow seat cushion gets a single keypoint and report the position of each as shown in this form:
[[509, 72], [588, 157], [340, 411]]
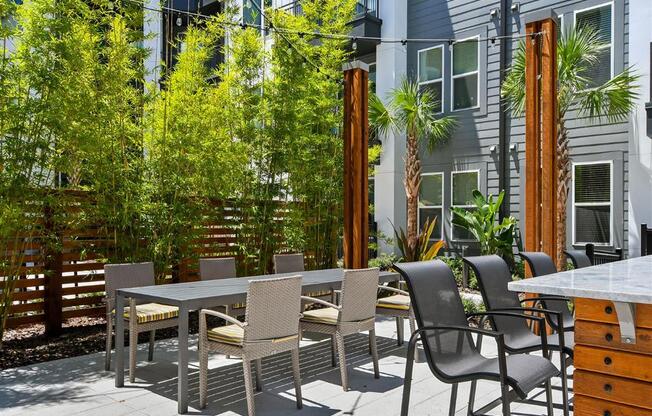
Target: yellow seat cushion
[[229, 334], [401, 302], [321, 316], [150, 312]]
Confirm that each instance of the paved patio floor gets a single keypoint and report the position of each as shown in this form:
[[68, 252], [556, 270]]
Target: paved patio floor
[[80, 386]]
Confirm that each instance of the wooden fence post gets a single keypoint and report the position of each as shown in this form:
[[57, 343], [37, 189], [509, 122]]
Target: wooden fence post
[[53, 298], [541, 134], [356, 165]]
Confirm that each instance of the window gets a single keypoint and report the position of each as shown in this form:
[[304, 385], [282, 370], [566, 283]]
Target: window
[[431, 70], [465, 83], [251, 13], [372, 78], [600, 19], [431, 201], [592, 203], [463, 184]]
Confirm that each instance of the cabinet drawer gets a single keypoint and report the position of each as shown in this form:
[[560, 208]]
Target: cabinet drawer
[[604, 311], [608, 336], [587, 406], [617, 363], [615, 389]]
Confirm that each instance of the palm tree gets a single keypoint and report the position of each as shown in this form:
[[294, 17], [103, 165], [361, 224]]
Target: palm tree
[[411, 111], [577, 52]]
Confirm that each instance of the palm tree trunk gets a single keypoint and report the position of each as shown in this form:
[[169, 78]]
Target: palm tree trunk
[[563, 182], [411, 182]]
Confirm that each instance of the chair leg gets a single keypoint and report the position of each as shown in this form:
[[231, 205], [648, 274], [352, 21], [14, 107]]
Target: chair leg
[[413, 327], [339, 338], [150, 352], [453, 402], [249, 386], [297, 378], [564, 382], [203, 372], [133, 348], [474, 386], [399, 330], [505, 400], [374, 352], [333, 348], [259, 374], [109, 336], [407, 380], [549, 407]]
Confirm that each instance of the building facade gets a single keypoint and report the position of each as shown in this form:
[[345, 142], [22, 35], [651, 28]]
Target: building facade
[[610, 191]]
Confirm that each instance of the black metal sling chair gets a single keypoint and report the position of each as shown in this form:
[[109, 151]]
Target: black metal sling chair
[[451, 353], [493, 276]]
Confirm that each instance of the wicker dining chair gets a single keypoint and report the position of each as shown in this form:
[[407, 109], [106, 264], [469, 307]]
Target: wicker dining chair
[[355, 313], [149, 316], [289, 263], [271, 327], [396, 306]]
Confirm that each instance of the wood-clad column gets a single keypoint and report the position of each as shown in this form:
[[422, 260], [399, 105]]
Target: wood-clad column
[[356, 187], [541, 134]]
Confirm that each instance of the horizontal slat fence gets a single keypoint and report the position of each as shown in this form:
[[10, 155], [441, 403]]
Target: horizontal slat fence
[[68, 280]]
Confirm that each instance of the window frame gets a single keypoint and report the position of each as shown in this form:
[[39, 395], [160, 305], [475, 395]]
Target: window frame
[[453, 76], [432, 81], [443, 195], [593, 204], [452, 202], [613, 26]]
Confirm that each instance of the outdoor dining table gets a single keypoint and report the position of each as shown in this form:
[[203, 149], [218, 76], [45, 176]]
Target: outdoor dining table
[[193, 296]]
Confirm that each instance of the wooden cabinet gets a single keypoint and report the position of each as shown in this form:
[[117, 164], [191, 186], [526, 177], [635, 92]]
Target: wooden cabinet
[[612, 378]]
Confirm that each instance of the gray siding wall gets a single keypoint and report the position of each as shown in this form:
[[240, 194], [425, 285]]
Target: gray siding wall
[[470, 146]]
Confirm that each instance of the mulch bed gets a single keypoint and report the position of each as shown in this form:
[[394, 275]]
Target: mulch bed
[[80, 336]]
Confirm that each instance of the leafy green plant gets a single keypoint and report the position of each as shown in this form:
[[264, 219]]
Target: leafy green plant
[[384, 261], [481, 222], [424, 249], [578, 50]]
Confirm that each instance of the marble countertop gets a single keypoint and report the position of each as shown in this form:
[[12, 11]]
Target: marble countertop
[[623, 281]]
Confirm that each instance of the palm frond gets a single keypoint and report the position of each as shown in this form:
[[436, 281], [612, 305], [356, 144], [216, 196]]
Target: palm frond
[[513, 88], [613, 100], [381, 120]]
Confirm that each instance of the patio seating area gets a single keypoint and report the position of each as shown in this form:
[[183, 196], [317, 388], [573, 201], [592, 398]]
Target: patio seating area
[[80, 386]]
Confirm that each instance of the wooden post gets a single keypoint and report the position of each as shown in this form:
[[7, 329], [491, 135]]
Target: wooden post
[[541, 134], [356, 186], [53, 297]]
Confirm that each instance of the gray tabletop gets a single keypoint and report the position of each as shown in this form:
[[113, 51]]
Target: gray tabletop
[[223, 291], [622, 281]]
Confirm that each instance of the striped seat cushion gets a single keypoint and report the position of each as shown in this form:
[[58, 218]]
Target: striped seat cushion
[[150, 312], [401, 302], [322, 316], [229, 334]]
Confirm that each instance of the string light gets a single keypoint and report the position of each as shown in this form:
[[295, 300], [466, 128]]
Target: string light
[[301, 34]]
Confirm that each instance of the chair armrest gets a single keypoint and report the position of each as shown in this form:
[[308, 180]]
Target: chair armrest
[[204, 312], [393, 289], [508, 312], [320, 301]]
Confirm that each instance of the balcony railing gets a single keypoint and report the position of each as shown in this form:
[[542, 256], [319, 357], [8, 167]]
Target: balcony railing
[[363, 7]]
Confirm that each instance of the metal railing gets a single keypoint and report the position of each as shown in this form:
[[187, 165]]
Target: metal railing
[[363, 7]]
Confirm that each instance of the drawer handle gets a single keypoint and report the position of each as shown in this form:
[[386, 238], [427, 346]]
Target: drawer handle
[[607, 387], [608, 310], [609, 337], [607, 360], [606, 413]]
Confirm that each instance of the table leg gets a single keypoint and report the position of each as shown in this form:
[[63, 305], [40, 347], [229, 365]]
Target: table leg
[[183, 361], [119, 341]]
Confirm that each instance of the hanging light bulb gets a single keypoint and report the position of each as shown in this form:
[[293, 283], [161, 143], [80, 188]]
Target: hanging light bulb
[[354, 46], [179, 21]]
